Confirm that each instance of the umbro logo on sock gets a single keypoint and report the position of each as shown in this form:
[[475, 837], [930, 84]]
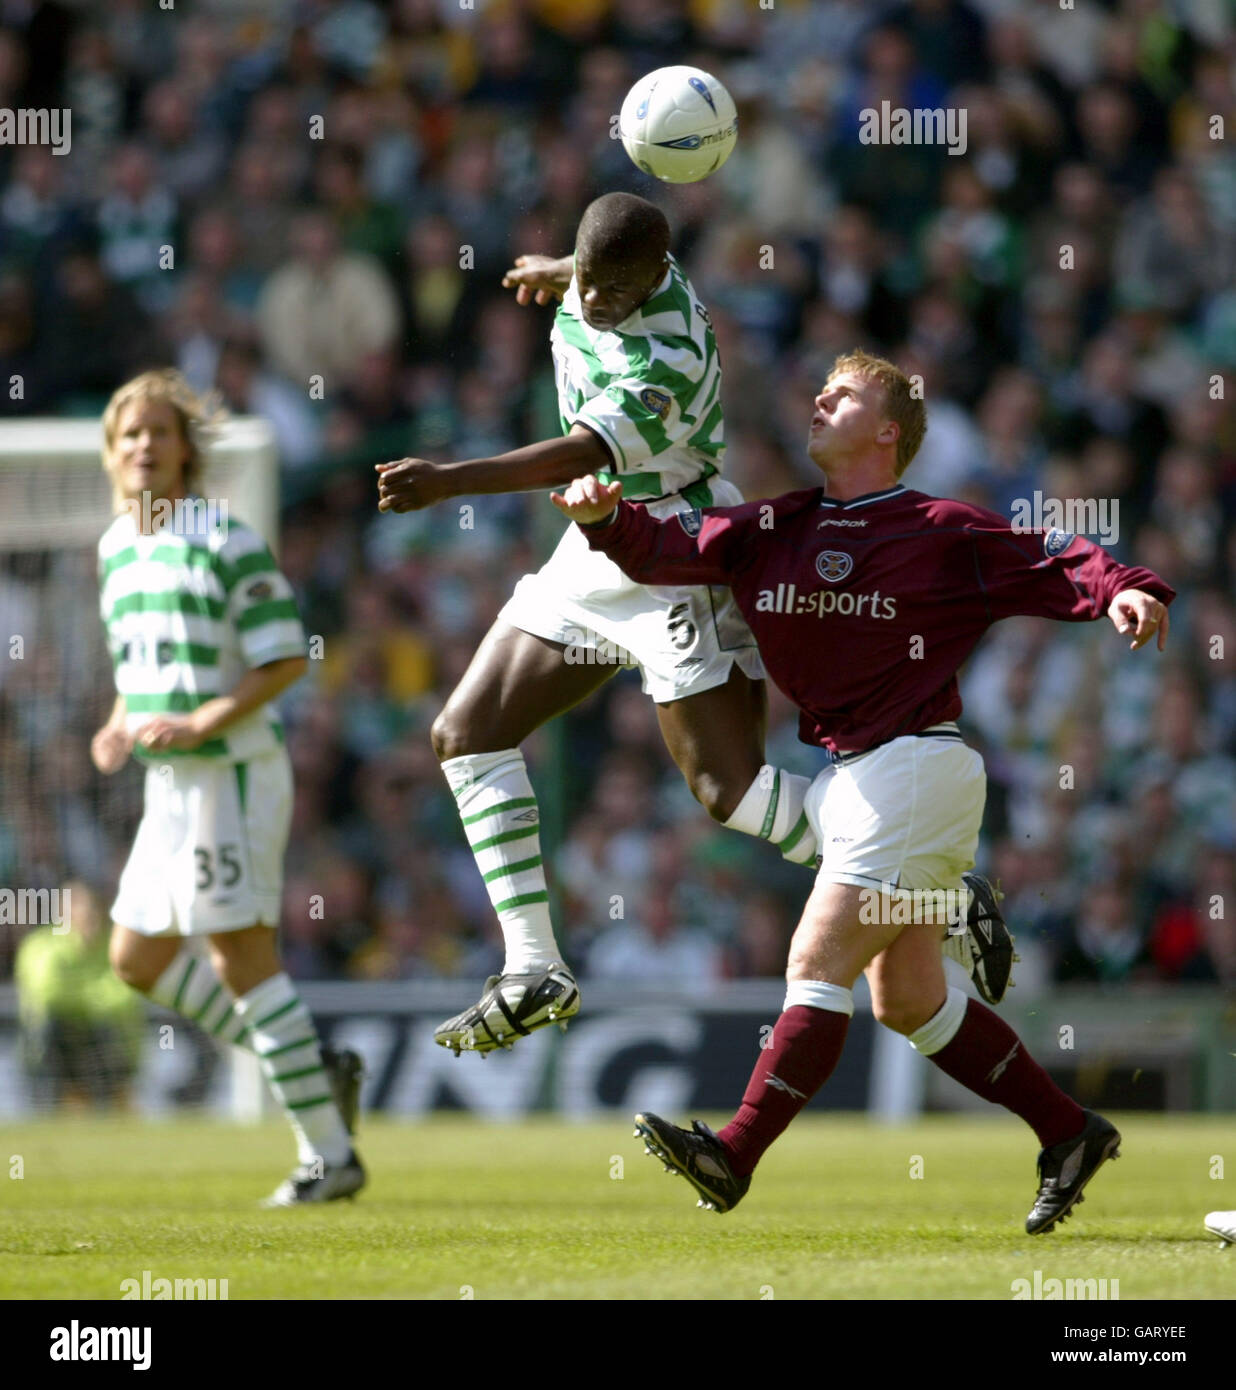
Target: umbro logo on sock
[[998, 1071], [785, 1086], [526, 815]]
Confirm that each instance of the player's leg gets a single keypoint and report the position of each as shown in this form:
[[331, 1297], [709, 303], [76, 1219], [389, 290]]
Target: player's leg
[[227, 883], [929, 796], [716, 737], [964, 1038], [146, 950], [189, 984], [974, 1046], [177, 974], [831, 945], [515, 683], [284, 1038], [142, 961]]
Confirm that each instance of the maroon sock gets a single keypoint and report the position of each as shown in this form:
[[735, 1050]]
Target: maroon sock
[[798, 1060], [988, 1057]]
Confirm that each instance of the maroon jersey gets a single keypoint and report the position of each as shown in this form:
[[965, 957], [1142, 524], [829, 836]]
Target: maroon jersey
[[864, 610]]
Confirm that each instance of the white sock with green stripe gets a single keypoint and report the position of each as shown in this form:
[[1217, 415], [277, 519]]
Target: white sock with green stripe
[[772, 809], [283, 1035], [189, 986], [500, 819]]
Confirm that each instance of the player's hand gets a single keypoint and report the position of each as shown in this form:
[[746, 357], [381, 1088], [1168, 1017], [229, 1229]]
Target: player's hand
[[587, 500], [546, 277], [166, 732], [407, 485], [110, 748], [1133, 611]]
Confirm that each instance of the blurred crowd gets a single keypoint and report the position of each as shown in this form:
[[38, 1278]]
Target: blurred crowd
[[343, 185]]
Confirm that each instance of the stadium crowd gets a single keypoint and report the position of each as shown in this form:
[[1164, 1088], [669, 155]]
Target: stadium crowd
[[343, 185]]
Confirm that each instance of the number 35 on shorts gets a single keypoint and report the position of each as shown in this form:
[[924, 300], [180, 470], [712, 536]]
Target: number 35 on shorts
[[219, 866]]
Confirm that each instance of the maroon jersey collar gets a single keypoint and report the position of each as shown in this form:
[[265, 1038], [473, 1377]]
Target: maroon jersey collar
[[864, 499]]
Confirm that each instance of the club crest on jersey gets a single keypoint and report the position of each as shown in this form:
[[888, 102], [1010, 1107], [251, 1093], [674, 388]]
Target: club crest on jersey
[[656, 401], [690, 521], [1056, 542], [833, 565]]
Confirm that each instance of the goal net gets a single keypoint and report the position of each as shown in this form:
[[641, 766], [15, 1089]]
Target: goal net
[[79, 1042]]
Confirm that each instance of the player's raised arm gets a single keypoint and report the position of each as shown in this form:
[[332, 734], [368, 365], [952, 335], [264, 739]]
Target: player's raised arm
[[410, 484]]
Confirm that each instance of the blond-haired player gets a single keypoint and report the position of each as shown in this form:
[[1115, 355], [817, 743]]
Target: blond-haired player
[[204, 634]]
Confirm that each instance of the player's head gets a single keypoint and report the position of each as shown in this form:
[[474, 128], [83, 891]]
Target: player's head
[[867, 412], [154, 432], [620, 256]]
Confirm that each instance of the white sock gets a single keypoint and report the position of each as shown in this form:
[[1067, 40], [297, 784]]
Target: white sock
[[283, 1035], [819, 994], [500, 818], [772, 809], [189, 986], [941, 1028]]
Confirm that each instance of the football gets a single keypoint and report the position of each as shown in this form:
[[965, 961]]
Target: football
[[678, 124]]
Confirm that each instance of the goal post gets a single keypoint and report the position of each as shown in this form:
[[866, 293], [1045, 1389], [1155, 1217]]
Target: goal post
[[54, 493], [59, 822]]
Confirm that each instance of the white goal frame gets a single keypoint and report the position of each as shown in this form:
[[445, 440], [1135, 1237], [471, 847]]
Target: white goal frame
[[37, 512]]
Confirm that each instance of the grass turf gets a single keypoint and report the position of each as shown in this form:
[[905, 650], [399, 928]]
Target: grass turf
[[544, 1209]]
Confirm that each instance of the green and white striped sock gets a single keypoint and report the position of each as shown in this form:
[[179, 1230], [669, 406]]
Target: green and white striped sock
[[500, 818], [189, 986], [772, 809], [283, 1035]]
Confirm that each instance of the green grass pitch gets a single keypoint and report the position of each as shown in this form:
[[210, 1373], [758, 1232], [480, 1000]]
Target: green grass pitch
[[546, 1209]]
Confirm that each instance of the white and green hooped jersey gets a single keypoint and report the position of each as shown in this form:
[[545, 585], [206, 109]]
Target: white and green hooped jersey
[[187, 614], [651, 388]]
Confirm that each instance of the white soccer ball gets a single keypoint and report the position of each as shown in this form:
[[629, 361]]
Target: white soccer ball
[[678, 124]]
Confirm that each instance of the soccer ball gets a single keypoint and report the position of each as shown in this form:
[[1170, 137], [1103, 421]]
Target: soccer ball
[[678, 124]]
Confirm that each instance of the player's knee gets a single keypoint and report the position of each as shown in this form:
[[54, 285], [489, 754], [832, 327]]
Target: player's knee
[[129, 966], [715, 794], [451, 735], [902, 1011]]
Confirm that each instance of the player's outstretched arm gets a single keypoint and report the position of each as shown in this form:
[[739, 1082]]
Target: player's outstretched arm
[[410, 484], [542, 277], [256, 687], [1139, 613], [111, 746]]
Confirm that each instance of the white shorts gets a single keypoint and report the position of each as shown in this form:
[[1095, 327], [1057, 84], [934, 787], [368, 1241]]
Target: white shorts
[[208, 856], [907, 813], [684, 640]]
